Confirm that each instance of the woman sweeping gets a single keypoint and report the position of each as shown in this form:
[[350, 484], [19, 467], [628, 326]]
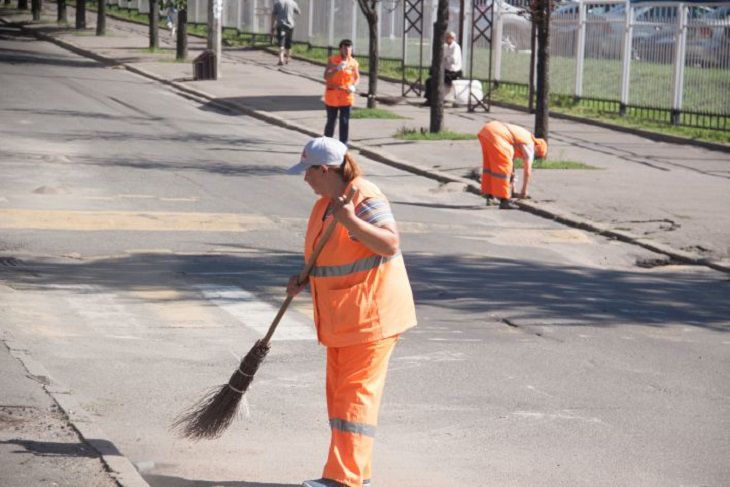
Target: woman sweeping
[[362, 303]]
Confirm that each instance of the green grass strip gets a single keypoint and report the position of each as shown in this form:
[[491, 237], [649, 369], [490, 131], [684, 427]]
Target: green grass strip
[[423, 134], [548, 164], [378, 113]]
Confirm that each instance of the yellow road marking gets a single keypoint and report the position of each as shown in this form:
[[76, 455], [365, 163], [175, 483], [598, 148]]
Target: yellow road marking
[[131, 221]]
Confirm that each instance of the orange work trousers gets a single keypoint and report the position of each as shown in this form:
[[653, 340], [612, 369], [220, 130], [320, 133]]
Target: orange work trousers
[[497, 165], [355, 380]]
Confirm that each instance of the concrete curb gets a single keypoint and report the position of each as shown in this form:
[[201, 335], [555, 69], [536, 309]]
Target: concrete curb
[[383, 157], [118, 466]]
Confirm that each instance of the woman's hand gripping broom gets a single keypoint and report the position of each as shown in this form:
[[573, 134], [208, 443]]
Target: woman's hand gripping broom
[[214, 413]]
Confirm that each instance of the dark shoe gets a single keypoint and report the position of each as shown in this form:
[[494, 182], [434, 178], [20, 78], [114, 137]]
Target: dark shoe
[[506, 204], [426, 104], [322, 483], [489, 200]]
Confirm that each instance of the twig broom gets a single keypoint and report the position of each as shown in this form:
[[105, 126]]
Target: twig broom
[[214, 413]]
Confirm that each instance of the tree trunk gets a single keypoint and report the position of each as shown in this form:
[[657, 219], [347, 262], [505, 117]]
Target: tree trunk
[[35, 6], [22, 4], [531, 86], [542, 110], [181, 46], [437, 66], [80, 14], [154, 17], [61, 16], [373, 58], [101, 17]]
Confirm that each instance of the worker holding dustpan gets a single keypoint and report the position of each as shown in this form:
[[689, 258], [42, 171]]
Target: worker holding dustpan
[[362, 302]]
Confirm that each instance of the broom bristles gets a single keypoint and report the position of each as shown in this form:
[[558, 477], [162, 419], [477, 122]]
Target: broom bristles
[[214, 413]]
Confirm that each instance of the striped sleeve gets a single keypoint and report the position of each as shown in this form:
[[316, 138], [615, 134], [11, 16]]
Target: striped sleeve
[[374, 211]]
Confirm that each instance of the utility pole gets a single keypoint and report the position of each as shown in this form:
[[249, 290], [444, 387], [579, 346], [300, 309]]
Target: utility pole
[[542, 109], [437, 66], [215, 13]]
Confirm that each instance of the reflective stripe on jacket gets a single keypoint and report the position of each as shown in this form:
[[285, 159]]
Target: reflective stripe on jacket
[[359, 296], [337, 89]]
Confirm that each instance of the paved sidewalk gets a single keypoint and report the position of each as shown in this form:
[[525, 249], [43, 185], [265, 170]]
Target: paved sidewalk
[[667, 197], [42, 439]]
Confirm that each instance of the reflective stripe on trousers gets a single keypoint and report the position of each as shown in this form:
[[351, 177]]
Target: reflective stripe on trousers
[[496, 174], [355, 380]]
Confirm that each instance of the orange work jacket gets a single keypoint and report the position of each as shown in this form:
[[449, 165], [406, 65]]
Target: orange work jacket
[[359, 296], [337, 89], [500, 142]]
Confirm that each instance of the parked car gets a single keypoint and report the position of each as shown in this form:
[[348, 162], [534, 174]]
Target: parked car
[[564, 24], [708, 40], [516, 26], [650, 23]]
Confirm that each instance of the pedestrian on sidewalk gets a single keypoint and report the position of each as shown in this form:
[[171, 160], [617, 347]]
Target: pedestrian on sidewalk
[[341, 77], [362, 303], [451, 65], [501, 142], [171, 18], [282, 26]]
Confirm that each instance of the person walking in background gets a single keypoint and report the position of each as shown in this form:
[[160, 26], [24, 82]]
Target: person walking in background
[[501, 142], [341, 77], [282, 26], [171, 18], [452, 65], [362, 302]]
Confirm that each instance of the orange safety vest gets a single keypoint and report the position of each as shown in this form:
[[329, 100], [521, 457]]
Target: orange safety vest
[[337, 92], [359, 296], [499, 143]]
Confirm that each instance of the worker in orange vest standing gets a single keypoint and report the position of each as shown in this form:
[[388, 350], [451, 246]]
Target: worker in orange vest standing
[[362, 302], [341, 77], [501, 142]]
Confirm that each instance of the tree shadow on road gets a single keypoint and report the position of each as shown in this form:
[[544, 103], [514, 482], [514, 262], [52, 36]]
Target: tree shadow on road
[[287, 103], [526, 290]]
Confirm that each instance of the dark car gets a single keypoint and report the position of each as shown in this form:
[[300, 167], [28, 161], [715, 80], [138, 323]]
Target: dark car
[[708, 40]]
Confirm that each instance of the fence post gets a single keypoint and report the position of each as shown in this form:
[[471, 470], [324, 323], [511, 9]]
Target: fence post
[[580, 54], [465, 56], [497, 28], [239, 8], [310, 21], [331, 25], [355, 8], [254, 16], [626, 58], [678, 85]]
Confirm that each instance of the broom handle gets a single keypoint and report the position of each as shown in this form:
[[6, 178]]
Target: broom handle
[[307, 269]]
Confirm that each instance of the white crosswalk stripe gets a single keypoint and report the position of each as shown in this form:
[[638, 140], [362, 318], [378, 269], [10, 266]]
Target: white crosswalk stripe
[[256, 314]]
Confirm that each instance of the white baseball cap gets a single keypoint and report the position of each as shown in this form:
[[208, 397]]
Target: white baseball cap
[[322, 151]]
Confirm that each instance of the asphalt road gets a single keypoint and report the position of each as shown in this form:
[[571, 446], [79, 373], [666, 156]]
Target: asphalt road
[[146, 241]]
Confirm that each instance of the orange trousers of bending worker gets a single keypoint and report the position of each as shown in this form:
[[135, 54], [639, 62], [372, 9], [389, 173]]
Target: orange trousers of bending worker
[[501, 143]]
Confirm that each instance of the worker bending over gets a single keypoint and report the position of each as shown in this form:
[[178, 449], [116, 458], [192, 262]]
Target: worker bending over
[[501, 143]]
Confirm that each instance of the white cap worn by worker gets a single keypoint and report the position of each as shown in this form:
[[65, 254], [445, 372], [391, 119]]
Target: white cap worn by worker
[[322, 151]]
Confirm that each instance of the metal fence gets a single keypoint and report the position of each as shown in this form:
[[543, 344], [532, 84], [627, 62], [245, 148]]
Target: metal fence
[[661, 61]]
